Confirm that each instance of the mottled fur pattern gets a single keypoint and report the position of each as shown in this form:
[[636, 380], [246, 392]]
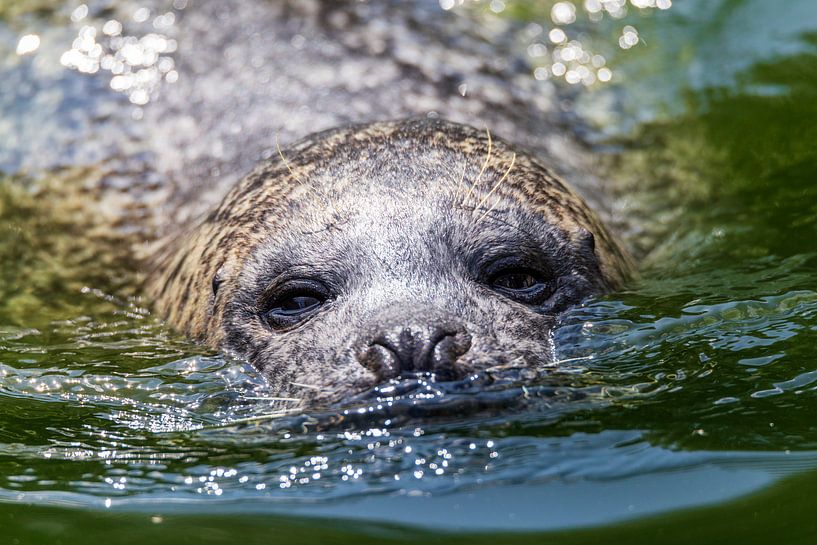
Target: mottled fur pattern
[[400, 220]]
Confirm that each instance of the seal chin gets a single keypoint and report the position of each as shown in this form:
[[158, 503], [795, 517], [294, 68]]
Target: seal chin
[[479, 379], [452, 360]]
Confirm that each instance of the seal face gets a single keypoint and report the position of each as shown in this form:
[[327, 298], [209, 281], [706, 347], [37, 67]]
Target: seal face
[[365, 253]]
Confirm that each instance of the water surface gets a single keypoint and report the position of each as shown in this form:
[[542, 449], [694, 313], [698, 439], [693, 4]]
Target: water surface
[[682, 410]]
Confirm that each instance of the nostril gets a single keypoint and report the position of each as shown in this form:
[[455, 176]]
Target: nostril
[[382, 360], [445, 348], [402, 350]]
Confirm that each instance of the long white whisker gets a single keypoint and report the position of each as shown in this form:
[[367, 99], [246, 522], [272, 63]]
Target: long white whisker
[[459, 184], [321, 195], [284, 159], [482, 170], [493, 189]]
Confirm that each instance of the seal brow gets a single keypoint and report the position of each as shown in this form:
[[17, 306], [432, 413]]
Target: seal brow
[[482, 170], [496, 186]]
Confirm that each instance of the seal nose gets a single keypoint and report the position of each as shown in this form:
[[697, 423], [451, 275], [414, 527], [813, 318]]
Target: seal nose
[[393, 351]]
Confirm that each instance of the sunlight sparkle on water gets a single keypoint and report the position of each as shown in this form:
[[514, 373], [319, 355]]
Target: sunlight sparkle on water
[[563, 13], [629, 37], [137, 64], [557, 49], [28, 44]]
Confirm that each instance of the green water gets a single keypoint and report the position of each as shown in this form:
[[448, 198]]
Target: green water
[[685, 413]]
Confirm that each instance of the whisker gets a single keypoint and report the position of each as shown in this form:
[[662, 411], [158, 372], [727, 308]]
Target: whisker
[[264, 398], [482, 170], [309, 386], [496, 202], [321, 195], [459, 184], [286, 163], [570, 360], [267, 416], [493, 189]]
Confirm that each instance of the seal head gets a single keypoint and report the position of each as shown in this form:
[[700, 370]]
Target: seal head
[[370, 252]]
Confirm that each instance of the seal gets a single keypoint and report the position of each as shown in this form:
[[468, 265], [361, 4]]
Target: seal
[[365, 253], [347, 257]]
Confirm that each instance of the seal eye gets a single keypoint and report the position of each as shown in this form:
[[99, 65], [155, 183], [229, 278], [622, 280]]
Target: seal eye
[[516, 281], [294, 302], [296, 305], [524, 285]]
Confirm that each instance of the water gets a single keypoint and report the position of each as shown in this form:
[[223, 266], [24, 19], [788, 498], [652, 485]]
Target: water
[[681, 412]]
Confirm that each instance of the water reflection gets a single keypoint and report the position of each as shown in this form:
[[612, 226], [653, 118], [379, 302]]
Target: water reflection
[[28, 44], [138, 64], [562, 49], [156, 424]]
